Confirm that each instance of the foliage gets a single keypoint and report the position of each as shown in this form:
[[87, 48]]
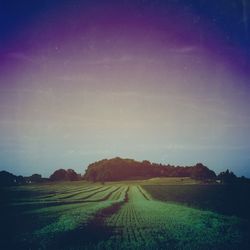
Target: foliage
[[123, 169], [227, 177], [35, 178], [201, 172], [64, 175], [8, 179]]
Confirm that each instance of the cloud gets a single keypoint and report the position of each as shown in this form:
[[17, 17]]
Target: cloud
[[26, 58], [76, 78], [117, 59], [184, 49], [20, 56], [109, 60]]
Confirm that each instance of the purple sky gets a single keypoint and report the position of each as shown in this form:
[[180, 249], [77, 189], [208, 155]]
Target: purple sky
[[166, 81]]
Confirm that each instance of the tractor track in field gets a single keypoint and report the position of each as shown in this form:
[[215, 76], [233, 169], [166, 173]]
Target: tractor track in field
[[143, 194], [126, 222]]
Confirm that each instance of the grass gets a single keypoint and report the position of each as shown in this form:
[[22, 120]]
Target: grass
[[159, 181]]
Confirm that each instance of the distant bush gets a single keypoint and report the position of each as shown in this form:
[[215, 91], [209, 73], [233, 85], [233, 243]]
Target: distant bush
[[228, 177], [64, 175], [8, 179], [35, 178]]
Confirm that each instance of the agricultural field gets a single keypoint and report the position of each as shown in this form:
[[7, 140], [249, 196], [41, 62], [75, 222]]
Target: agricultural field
[[223, 199], [120, 215], [38, 216]]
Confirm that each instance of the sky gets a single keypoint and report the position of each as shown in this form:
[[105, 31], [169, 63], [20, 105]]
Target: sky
[[166, 81]]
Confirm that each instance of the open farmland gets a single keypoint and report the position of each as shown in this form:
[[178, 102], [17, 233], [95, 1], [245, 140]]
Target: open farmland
[[143, 223], [38, 216], [120, 215], [224, 199]]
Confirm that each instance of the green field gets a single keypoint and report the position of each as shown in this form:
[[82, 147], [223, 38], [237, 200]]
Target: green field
[[223, 199], [161, 213]]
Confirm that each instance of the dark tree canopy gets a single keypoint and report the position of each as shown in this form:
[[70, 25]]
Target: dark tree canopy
[[199, 171], [64, 175], [122, 169], [35, 178], [8, 179], [117, 169], [227, 177]]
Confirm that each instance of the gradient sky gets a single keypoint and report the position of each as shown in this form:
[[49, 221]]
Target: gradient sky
[[167, 81]]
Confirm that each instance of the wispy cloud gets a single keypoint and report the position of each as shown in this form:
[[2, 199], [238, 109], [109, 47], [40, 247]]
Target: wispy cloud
[[20, 56], [185, 49], [76, 78], [108, 60]]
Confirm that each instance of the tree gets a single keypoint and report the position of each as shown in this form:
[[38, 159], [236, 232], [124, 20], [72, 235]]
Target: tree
[[123, 169], [72, 175], [201, 172], [8, 179], [36, 178], [64, 175], [227, 177]]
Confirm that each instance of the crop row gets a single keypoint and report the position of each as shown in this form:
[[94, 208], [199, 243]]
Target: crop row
[[145, 223], [71, 193], [92, 193], [63, 218]]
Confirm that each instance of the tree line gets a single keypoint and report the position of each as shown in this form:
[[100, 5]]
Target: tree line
[[118, 169]]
